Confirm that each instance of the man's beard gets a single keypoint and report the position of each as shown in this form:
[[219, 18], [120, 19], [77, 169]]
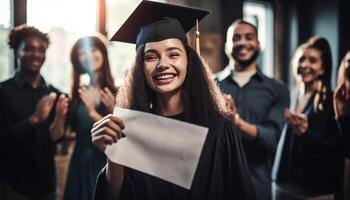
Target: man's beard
[[245, 63]]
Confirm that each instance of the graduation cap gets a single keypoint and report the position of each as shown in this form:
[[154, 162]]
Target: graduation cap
[[154, 21]]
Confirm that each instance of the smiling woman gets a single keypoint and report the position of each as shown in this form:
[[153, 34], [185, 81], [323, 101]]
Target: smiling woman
[[165, 65], [169, 79], [309, 155]]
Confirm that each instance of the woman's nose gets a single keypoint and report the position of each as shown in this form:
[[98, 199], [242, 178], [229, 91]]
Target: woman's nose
[[163, 64]]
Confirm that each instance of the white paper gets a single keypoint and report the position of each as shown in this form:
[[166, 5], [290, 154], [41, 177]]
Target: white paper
[[166, 148]]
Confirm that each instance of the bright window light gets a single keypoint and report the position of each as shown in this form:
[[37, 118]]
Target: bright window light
[[5, 13], [65, 21], [261, 15], [77, 16], [256, 14]]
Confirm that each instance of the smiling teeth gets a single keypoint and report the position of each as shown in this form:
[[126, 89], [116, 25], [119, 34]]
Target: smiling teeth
[[165, 76]]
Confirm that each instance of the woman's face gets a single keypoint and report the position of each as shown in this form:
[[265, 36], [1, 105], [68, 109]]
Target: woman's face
[[91, 58], [165, 65], [310, 65]]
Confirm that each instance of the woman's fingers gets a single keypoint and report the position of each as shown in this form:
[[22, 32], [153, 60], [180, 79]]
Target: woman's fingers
[[109, 93], [111, 122], [101, 141], [106, 131], [115, 119], [288, 116], [301, 117], [116, 135], [107, 99], [101, 120], [230, 104]]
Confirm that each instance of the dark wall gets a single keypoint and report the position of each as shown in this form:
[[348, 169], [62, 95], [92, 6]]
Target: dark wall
[[304, 19], [344, 28], [230, 11], [296, 21], [288, 31], [20, 12], [222, 14], [326, 18]]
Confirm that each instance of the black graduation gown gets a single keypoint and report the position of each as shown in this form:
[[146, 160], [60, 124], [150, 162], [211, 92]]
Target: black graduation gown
[[344, 126], [313, 161], [222, 173]]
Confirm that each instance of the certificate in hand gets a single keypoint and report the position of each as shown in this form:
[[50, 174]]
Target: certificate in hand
[[166, 148]]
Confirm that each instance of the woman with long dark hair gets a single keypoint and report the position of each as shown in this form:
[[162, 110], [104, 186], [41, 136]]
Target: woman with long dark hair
[[311, 157], [169, 79], [92, 97]]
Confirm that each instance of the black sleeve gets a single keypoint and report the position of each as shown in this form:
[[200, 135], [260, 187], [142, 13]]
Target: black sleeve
[[239, 184], [9, 131], [100, 187], [128, 190]]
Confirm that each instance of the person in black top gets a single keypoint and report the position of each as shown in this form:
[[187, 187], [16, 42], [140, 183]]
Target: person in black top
[[169, 79], [32, 118], [92, 95], [309, 157], [342, 102], [259, 101]]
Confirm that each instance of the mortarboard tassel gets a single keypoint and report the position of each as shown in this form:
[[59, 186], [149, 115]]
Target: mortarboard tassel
[[197, 46]]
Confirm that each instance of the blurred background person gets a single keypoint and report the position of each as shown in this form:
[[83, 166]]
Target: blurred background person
[[32, 119], [342, 101], [92, 92], [310, 160], [260, 102]]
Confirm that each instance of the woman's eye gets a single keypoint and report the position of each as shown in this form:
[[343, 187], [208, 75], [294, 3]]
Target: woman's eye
[[174, 55], [150, 57]]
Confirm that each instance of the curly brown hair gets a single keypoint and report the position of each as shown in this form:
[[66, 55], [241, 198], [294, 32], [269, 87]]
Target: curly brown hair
[[203, 100], [23, 31]]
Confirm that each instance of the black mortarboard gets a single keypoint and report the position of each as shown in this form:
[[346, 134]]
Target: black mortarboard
[[154, 21]]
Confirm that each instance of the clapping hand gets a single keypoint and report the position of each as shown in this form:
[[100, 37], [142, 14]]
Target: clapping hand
[[61, 106], [297, 121], [231, 110], [108, 99], [87, 97], [43, 108]]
